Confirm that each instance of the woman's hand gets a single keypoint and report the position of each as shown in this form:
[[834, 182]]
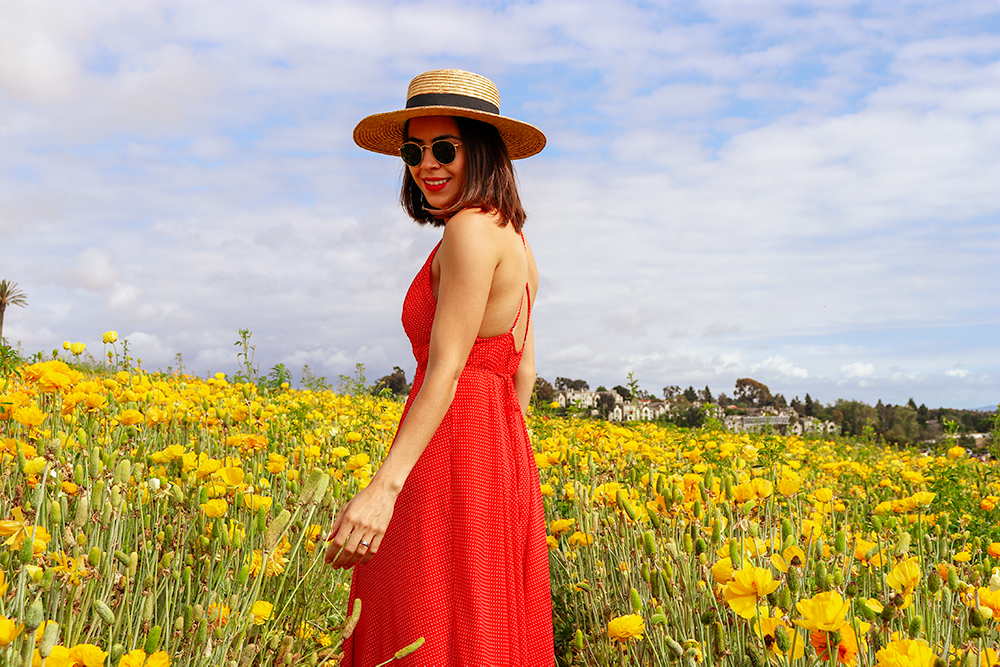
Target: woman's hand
[[358, 529]]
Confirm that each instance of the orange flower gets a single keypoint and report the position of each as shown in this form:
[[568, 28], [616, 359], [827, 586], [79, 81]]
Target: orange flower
[[847, 649]]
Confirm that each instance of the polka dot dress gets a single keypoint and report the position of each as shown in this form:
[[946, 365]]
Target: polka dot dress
[[464, 562]]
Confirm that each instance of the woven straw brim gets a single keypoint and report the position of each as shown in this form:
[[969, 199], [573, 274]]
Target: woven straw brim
[[383, 132]]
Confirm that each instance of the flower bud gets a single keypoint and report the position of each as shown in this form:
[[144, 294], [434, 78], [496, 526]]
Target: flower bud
[[952, 578], [27, 551], [352, 621], [104, 611], [50, 636], [148, 606], [276, 529], [122, 472], [636, 600], [792, 577], [407, 650], [781, 639], [33, 616], [82, 516], [94, 465], [915, 627], [649, 543], [152, 640], [718, 639], [578, 640]]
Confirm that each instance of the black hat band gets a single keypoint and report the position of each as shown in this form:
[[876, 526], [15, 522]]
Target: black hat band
[[451, 100]]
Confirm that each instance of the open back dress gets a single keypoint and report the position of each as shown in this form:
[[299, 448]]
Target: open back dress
[[464, 562]]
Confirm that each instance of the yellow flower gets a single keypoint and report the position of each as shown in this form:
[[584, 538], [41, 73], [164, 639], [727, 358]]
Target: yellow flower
[[789, 486], [994, 549], [766, 626], [904, 578], [9, 630], [34, 466], [962, 557], [59, 657], [29, 416], [956, 452], [276, 462], [138, 658], [626, 628], [560, 526], [792, 556], [215, 508], [906, 653], [77, 348], [824, 495], [110, 336], [823, 612], [261, 612], [722, 571], [748, 587], [924, 498], [15, 531], [131, 417], [87, 655], [255, 502], [580, 539]]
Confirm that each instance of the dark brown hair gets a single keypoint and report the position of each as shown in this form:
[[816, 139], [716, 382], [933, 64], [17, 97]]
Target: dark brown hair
[[490, 182]]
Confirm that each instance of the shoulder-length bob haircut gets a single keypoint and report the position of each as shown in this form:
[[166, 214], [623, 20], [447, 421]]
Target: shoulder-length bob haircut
[[490, 182]]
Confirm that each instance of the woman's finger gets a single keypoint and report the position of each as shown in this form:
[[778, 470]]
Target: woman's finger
[[372, 549]]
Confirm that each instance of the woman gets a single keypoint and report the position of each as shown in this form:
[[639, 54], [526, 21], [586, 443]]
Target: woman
[[448, 540]]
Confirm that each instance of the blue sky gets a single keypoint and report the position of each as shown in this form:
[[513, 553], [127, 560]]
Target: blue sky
[[801, 193]]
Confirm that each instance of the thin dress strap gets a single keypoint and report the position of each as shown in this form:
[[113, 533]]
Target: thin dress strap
[[527, 294]]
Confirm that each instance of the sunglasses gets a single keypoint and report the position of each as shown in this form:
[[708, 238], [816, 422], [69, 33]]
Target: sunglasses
[[443, 150]]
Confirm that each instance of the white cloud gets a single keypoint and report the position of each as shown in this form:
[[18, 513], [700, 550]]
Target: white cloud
[[95, 269], [858, 370], [957, 373]]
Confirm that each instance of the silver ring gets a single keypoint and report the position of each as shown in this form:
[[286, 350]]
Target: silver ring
[[365, 543]]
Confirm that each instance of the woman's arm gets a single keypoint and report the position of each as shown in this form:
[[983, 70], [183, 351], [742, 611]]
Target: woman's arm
[[467, 258], [524, 377]]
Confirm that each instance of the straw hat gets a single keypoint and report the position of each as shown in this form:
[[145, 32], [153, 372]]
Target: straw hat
[[448, 92]]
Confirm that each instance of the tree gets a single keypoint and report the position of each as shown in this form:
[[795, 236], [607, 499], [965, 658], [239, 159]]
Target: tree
[[705, 395], [856, 415], [810, 407], [605, 403], [565, 384], [395, 383], [753, 393], [900, 425], [10, 295], [671, 391], [690, 394], [543, 391], [623, 392]]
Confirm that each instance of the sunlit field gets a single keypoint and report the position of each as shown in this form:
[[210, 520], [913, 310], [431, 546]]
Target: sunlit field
[[159, 518]]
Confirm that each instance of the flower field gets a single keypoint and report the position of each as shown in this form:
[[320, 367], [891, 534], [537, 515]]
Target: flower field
[[155, 519]]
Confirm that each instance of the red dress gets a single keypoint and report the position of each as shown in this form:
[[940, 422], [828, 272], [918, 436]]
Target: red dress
[[464, 562]]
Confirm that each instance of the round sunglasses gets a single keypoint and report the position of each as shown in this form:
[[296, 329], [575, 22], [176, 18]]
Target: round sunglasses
[[443, 150]]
